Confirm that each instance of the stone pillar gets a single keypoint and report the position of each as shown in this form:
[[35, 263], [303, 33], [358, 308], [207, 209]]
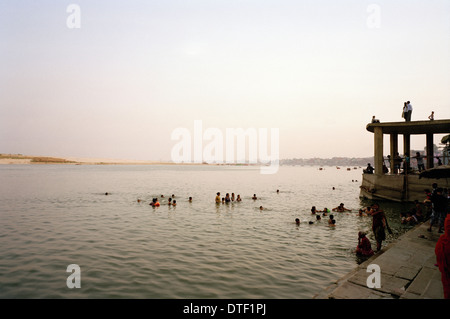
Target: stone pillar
[[407, 144], [430, 151], [378, 142], [407, 148], [394, 151]]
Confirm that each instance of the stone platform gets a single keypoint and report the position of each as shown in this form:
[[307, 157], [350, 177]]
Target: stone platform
[[407, 269]]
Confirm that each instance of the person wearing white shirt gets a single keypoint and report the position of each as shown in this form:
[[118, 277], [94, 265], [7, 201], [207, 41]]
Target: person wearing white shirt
[[409, 111]]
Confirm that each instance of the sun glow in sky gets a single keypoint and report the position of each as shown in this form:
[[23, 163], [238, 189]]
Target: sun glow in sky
[[134, 71]]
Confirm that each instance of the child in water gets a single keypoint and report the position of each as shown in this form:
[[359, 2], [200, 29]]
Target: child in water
[[174, 202], [238, 198]]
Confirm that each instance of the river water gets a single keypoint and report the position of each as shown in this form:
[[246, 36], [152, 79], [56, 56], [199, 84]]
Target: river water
[[53, 216]]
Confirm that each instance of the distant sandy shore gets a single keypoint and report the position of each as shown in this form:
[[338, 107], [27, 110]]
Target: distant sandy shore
[[14, 161], [36, 160]]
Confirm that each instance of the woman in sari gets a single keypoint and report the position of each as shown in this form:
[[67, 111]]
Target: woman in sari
[[442, 251], [364, 247]]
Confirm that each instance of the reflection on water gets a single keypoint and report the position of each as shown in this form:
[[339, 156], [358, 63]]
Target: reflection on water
[[56, 215]]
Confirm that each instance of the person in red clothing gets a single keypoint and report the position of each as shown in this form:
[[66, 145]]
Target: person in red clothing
[[364, 247], [442, 251]]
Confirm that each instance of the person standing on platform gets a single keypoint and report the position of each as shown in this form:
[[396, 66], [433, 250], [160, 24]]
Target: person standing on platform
[[409, 110], [405, 111], [420, 164]]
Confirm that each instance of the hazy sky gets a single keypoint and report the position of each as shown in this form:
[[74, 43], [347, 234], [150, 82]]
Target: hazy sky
[[134, 71]]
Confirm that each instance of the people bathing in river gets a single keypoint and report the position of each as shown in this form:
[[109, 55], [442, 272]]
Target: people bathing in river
[[227, 198], [409, 218], [297, 221], [361, 212], [254, 196], [190, 199], [313, 210], [330, 219], [174, 202], [238, 198], [155, 203], [218, 198], [341, 208], [364, 248]]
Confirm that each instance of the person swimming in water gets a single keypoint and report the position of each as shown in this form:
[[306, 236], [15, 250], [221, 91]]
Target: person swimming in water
[[232, 197], [313, 210], [297, 221], [227, 198], [238, 198], [254, 196], [174, 202], [361, 212], [325, 211], [341, 208], [261, 208], [218, 198], [190, 199], [318, 217], [155, 202], [169, 201], [330, 219]]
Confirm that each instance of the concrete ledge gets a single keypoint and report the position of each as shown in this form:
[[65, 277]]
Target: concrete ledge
[[407, 268]]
